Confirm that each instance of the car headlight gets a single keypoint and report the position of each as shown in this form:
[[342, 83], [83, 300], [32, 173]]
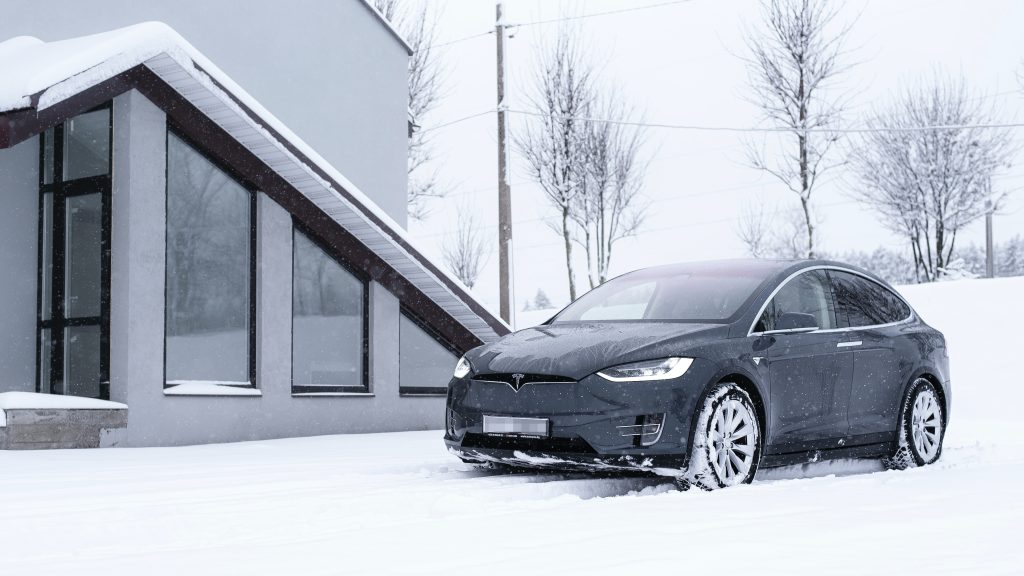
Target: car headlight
[[663, 369], [462, 368]]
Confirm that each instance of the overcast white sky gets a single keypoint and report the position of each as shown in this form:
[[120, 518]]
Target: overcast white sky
[[679, 64]]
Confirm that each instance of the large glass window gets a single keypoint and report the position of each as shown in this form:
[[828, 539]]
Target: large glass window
[[863, 302], [329, 322], [808, 293], [74, 256], [425, 362], [210, 284]]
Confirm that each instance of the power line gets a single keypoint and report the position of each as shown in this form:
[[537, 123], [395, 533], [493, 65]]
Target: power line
[[456, 121], [687, 225], [769, 129], [740, 129], [463, 39], [675, 198], [596, 14]]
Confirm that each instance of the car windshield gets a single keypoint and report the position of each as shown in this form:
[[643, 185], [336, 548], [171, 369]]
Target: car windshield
[[711, 295]]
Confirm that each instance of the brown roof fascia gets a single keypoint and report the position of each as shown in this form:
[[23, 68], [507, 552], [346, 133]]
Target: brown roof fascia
[[17, 126]]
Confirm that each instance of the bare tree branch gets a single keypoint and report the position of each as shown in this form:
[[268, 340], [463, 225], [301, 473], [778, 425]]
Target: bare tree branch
[[465, 252], [610, 207], [791, 66], [554, 147]]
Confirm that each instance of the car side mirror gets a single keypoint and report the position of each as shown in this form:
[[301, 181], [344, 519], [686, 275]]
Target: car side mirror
[[796, 322]]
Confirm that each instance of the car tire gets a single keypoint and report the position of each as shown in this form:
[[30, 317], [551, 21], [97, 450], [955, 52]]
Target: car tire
[[727, 441], [921, 428]]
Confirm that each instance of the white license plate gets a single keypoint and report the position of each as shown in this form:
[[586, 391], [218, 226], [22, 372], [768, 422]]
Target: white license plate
[[512, 425]]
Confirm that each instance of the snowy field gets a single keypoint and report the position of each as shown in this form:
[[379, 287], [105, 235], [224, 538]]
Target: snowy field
[[399, 504]]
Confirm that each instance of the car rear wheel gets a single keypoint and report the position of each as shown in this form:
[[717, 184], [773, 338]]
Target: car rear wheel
[[727, 441], [921, 428]]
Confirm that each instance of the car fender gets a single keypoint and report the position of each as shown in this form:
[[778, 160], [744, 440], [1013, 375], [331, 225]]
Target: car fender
[[927, 368], [729, 369]]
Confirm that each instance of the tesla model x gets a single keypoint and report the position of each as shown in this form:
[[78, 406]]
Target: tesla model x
[[706, 372]]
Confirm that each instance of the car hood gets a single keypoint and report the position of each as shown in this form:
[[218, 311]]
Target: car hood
[[578, 349]]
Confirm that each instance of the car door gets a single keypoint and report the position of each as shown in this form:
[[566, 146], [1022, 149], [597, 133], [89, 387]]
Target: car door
[[871, 314], [809, 373]]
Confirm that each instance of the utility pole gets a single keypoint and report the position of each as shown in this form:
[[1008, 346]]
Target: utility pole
[[990, 268], [504, 191]]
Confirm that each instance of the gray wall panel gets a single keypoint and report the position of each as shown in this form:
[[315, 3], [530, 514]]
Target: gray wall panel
[[19, 263]]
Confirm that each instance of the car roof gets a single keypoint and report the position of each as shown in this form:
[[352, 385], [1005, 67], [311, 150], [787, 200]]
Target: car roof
[[758, 267], [765, 268]]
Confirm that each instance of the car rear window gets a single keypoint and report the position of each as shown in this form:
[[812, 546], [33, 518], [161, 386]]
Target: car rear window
[[862, 302], [659, 295]]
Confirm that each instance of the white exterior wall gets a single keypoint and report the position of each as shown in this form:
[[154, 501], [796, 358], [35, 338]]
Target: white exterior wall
[[137, 322], [19, 265]]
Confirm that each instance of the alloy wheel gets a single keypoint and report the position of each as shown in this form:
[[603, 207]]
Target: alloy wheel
[[926, 425], [732, 441]]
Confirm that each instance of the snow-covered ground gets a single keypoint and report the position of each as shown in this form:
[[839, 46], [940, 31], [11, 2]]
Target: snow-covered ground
[[399, 504]]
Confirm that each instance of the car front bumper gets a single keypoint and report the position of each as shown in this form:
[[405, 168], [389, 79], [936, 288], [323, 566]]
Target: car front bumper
[[593, 423]]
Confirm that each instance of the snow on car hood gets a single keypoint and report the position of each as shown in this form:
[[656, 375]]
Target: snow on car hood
[[578, 349]]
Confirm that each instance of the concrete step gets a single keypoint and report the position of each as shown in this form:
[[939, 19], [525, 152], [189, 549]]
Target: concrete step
[[51, 428]]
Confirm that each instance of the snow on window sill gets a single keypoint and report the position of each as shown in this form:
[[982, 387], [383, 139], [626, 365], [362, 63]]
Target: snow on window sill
[[190, 388]]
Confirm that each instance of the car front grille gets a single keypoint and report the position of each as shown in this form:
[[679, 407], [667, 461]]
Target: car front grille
[[523, 379], [574, 445]]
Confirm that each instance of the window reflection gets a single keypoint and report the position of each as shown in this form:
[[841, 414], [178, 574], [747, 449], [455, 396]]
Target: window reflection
[[208, 275], [865, 303], [808, 293], [87, 145], [84, 254], [328, 339], [424, 362]]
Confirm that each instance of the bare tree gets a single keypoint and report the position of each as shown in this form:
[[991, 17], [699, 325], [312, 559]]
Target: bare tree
[[608, 206], [927, 184], [554, 146], [754, 229], [465, 252], [791, 66], [418, 25], [770, 233]]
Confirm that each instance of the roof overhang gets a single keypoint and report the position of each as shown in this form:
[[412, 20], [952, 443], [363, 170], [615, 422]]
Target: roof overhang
[[182, 82]]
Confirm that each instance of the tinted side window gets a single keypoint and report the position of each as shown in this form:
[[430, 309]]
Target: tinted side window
[[808, 293], [863, 302]]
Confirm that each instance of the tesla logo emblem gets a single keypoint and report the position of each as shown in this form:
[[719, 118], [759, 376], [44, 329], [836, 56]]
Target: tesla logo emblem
[[517, 381]]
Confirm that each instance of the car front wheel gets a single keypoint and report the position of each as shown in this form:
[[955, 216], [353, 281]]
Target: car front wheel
[[727, 441]]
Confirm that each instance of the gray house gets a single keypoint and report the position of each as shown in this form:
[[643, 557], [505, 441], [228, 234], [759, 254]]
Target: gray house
[[172, 246]]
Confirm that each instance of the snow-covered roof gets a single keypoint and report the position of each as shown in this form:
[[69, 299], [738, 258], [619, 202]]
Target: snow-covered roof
[[41, 75]]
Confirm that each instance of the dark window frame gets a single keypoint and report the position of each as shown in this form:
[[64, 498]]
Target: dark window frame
[[62, 190], [298, 227], [414, 391], [183, 135]]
